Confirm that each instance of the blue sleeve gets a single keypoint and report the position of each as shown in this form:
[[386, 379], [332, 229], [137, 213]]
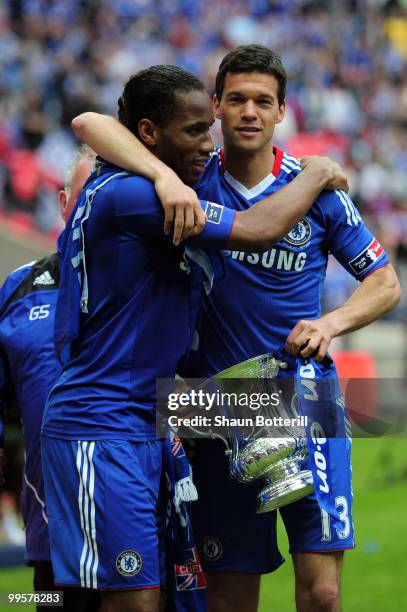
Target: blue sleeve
[[139, 211], [217, 227], [348, 238], [137, 207]]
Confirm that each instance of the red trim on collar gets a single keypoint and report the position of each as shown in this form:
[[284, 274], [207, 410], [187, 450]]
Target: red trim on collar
[[277, 161], [222, 159], [278, 153]]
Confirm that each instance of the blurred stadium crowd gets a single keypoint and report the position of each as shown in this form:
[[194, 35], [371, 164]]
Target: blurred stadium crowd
[[347, 94]]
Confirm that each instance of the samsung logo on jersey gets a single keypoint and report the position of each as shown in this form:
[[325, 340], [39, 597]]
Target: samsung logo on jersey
[[275, 258]]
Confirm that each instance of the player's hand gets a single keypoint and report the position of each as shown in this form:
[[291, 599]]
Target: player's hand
[[335, 175], [181, 207], [310, 339]]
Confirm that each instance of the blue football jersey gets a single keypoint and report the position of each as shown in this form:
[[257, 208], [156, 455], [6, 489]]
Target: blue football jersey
[[28, 369], [126, 309], [261, 296]]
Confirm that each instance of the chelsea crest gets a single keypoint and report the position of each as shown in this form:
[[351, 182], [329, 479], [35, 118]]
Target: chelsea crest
[[300, 234], [128, 563]]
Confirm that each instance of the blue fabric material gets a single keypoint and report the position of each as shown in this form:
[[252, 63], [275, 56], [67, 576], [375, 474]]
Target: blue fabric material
[[103, 506], [328, 433], [28, 369], [122, 281], [185, 573], [262, 296]]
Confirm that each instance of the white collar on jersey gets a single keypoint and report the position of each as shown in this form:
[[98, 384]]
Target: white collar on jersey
[[249, 194]]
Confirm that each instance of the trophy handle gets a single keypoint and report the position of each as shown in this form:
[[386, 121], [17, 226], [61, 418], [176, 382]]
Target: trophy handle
[[213, 435], [226, 442]]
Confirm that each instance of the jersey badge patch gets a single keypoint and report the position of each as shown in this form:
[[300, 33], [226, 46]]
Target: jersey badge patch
[[300, 235], [214, 212], [128, 563], [367, 257], [212, 548]]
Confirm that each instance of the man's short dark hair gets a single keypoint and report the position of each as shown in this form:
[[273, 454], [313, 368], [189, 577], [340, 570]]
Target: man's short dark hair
[[252, 58], [152, 94]]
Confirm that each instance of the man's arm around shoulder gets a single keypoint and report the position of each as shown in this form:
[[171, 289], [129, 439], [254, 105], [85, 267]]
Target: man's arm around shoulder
[[268, 221]]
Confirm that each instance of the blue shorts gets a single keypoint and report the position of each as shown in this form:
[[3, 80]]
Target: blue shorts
[[229, 533], [233, 538], [103, 512]]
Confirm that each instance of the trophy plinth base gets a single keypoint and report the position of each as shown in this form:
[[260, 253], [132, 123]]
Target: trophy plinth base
[[293, 488]]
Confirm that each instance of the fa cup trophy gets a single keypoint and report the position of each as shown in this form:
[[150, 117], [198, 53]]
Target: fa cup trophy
[[276, 460]]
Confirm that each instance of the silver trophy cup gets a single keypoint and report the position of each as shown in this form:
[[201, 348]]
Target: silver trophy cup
[[276, 460]]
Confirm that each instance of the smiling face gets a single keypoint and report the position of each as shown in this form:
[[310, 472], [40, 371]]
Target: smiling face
[[184, 143], [249, 110]]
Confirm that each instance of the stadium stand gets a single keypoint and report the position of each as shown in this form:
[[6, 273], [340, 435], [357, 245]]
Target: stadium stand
[[347, 65]]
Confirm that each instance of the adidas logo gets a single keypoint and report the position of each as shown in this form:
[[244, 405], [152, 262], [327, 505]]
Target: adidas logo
[[44, 279]]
